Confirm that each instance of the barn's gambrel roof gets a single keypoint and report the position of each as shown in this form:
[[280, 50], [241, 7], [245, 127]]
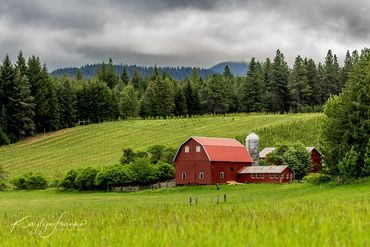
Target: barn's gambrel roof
[[221, 149]]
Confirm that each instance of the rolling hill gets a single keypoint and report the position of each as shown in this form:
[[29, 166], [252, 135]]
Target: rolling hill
[[52, 154]]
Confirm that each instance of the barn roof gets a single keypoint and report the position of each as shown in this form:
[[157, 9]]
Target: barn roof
[[221, 149], [262, 169], [268, 150]]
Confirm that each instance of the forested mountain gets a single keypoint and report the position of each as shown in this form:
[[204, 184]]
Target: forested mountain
[[176, 73]]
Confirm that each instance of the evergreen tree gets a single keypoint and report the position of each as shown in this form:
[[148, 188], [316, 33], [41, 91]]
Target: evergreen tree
[[101, 72], [20, 122], [195, 79], [192, 98], [164, 97], [313, 82], [148, 105], [266, 74], [21, 64], [300, 91], [251, 98], [180, 102], [68, 103], [227, 73], [79, 76], [348, 63], [214, 95], [7, 82], [124, 77], [331, 80], [279, 84], [128, 102], [110, 77], [346, 128], [4, 139], [135, 80]]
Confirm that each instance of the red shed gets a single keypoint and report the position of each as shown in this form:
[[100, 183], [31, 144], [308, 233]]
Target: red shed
[[206, 160], [265, 174]]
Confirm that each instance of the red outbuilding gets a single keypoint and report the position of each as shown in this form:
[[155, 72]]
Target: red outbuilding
[[206, 160], [265, 174]]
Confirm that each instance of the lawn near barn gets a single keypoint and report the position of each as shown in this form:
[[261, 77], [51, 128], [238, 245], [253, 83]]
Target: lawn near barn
[[53, 154], [253, 215]]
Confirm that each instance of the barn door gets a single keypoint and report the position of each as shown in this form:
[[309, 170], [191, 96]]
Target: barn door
[[193, 175]]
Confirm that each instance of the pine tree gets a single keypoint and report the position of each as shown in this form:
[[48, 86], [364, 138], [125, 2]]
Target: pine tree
[[21, 120], [4, 139], [79, 76], [110, 77], [331, 81], [164, 97], [128, 102], [147, 104], [101, 72], [180, 102], [348, 63], [21, 64], [7, 81], [300, 91], [68, 103], [192, 98], [227, 73], [214, 96], [251, 98], [279, 84], [266, 73], [195, 79], [124, 77], [313, 82]]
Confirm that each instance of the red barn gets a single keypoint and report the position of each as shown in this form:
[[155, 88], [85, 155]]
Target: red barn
[[265, 174], [205, 160]]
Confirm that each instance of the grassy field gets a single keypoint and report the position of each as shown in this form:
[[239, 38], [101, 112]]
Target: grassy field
[[53, 154], [253, 215]]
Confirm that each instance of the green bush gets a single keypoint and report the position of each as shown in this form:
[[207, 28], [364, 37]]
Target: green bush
[[68, 182], [165, 171], [85, 179], [116, 175], [316, 178], [30, 181], [2, 179], [143, 172]]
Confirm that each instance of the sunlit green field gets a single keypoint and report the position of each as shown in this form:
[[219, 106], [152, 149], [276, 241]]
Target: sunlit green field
[[253, 215], [53, 154]]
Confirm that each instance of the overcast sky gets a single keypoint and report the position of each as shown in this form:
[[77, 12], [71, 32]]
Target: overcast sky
[[180, 32]]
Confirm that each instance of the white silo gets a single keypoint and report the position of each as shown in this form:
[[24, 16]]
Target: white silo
[[252, 143]]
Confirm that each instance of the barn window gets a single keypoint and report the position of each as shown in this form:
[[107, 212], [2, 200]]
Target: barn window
[[282, 176], [271, 176], [276, 176], [183, 175], [201, 175], [253, 175], [287, 176], [262, 176], [187, 149], [231, 169], [257, 176], [197, 149], [222, 175]]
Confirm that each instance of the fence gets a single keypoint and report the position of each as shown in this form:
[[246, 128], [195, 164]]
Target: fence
[[149, 187]]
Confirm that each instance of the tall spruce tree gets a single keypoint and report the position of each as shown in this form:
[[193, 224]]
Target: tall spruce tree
[[266, 73], [279, 84], [180, 102], [251, 98], [300, 91], [68, 103], [192, 98], [124, 77], [331, 77], [128, 102], [313, 82], [214, 95], [110, 77], [164, 97]]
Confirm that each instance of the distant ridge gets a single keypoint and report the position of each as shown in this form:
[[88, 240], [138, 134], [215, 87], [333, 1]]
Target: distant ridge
[[177, 73]]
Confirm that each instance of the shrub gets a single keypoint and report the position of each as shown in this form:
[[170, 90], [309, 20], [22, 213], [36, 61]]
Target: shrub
[[116, 175], [143, 172], [68, 182], [316, 178], [85, 179], [165, 171], [2, 179], [30, 181]]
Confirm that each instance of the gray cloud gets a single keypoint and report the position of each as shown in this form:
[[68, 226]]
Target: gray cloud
[[184, 32]]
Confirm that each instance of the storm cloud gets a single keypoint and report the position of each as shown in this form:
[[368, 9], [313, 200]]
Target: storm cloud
[[185, 32]]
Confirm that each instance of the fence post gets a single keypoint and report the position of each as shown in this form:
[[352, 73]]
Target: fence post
[[224, 197], [190, 201], [218, 199]]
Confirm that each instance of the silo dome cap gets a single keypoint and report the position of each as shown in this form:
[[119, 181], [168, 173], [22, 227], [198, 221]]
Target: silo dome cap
[[252, 136]]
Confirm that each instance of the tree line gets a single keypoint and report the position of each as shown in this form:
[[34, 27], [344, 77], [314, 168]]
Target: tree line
[[32, 101]]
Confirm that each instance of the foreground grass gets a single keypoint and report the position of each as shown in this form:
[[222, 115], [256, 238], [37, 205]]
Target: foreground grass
[[254, 215], [101, 144]]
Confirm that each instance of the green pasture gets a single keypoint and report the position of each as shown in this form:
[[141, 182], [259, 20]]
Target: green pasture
[[52, 154], [253, 215]]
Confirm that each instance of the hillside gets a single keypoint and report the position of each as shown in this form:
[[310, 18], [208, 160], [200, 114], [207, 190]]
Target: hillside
[[53, 154], [177, 73]]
